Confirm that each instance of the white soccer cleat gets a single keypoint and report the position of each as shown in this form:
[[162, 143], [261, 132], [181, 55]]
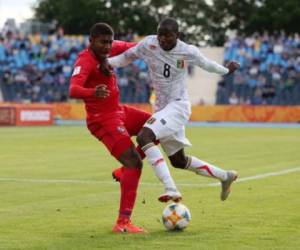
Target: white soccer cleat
[[170, 195], [231, 177]]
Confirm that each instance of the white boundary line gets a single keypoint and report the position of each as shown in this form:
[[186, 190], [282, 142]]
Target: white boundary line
[[212, 184]]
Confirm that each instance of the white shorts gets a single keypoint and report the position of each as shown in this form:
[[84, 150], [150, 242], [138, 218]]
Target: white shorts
[[168, 125]]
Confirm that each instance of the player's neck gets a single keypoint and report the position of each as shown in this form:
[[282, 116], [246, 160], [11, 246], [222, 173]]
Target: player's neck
[[168, 50], [99, 59]]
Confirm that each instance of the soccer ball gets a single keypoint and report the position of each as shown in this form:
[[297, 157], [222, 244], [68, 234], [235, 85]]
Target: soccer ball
[[176, 216]]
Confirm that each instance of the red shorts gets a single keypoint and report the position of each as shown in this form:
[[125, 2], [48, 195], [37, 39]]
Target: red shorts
[[116, 131]]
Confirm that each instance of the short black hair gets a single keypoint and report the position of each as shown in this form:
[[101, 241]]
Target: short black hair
[[171, 23], [101, 29]]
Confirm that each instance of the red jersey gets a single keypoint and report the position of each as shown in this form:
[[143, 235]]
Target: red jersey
[[86, 76]]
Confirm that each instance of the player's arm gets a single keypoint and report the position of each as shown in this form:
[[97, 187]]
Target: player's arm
[[212, 66], [127, 57], [118, 47], [80, 75], [123, 59]]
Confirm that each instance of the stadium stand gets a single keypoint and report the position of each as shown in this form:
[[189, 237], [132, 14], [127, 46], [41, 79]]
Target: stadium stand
[[269, 73], [37, 68]]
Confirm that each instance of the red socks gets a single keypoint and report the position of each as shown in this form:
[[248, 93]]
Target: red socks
[[129, 184], [129, 179]]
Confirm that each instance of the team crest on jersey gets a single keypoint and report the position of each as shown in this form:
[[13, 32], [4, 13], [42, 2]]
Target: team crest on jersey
[[180, 64], [76, 70], [163, 121], [121, 129], [151, 120], [152, 47]]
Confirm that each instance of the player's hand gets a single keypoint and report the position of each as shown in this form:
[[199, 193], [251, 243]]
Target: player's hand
[[101, 91], [232, 66], [105, 68]]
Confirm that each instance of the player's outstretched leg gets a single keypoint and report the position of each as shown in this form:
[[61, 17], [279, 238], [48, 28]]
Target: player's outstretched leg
[[205, 169], [179, 160], [231, 177]]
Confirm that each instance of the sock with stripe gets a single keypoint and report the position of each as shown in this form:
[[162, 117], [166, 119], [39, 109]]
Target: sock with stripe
[[203, 168], [159, 165], [142, 155]]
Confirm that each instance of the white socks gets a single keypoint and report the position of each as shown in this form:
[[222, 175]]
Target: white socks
[[205, 169], [160, 167]]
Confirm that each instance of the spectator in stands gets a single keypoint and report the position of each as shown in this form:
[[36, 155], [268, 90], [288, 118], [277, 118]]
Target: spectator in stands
[[123, 85], [8, 82], [37, 68], [269, 73], [257, 98], [233, 99], [222, 93], [240, 84]]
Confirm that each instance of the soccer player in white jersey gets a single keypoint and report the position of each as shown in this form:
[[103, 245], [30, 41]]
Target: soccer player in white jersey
[[167, 58]]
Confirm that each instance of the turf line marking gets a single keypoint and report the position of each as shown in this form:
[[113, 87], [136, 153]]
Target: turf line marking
[[213, 184]]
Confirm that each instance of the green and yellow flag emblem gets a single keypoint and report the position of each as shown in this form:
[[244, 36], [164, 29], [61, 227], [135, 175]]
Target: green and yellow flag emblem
[[180, 64]]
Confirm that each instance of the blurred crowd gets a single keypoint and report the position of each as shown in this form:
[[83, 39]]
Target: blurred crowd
[[269, 73], [37, 68]]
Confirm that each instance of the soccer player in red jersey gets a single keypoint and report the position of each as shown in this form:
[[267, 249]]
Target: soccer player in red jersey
[[111, 123]]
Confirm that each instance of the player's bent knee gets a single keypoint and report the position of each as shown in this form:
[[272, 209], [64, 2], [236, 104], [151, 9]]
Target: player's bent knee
[[133, 162], [131, 158], [179, 159], [142, 139], [178, 164], [145, 136]]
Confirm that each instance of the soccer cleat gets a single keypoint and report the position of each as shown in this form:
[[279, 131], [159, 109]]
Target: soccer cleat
[[117, 174], [127, 227], [170, 194], [231, 177]]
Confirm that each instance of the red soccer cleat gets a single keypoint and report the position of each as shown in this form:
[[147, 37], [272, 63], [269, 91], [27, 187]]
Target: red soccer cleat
[[117, 174], [127, 227]]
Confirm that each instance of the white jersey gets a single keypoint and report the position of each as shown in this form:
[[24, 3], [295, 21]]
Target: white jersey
[[167, 69]]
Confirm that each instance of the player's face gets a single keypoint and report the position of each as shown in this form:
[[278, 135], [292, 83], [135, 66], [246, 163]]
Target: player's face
[[167, 38], [101, 45]]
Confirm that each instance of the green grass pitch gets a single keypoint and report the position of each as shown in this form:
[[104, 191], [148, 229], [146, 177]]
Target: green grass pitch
[[40, 209]]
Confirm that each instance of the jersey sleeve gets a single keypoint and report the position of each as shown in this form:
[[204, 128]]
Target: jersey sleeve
[[118, 47], [203, 62], [81, 72], [128, 56]]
